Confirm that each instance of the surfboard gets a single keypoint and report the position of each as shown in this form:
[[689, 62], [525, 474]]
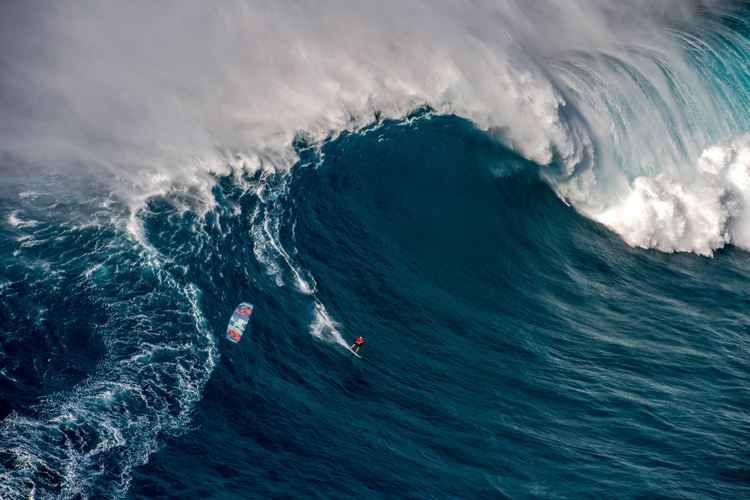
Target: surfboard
[[238, 321], [352, 351]]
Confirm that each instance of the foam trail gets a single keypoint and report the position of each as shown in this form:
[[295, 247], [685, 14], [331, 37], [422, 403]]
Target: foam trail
[[268, 249], [324, 327]]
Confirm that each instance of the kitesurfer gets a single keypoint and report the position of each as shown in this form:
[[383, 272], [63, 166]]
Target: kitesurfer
[[358, 343]]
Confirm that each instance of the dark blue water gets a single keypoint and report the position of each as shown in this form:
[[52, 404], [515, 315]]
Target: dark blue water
[[513, 348]]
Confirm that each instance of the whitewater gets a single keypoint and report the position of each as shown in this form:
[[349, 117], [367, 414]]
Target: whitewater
[[535, 212]]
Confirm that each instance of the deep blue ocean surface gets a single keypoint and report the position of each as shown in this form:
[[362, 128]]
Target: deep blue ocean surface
[[550, 273]]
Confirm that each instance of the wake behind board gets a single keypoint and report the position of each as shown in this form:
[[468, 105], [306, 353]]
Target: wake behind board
[[238, 321], [352, 351]]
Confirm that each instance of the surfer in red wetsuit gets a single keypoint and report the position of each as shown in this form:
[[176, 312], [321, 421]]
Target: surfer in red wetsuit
[[358, 343]]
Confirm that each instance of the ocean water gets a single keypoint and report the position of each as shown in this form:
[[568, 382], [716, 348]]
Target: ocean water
[[534, 212]]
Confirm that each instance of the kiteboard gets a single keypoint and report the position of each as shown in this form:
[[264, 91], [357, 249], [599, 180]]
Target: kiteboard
[[352, 351], [238, 321]]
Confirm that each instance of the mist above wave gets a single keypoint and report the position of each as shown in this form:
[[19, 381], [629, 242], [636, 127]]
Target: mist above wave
[[157, 84], [147, 95]]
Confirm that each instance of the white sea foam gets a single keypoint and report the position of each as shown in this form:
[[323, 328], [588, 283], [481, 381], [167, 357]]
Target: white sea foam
[[15, 220], [701, 214], [84, 442], [324, 327]]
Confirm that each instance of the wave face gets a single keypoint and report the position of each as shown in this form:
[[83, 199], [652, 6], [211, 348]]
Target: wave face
[[534, 213]]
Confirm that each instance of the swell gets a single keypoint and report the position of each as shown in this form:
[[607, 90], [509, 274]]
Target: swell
[[512, 347]]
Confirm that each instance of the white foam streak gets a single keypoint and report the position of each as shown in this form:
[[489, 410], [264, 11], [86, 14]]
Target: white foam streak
[[16, 221], [324, 327]]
